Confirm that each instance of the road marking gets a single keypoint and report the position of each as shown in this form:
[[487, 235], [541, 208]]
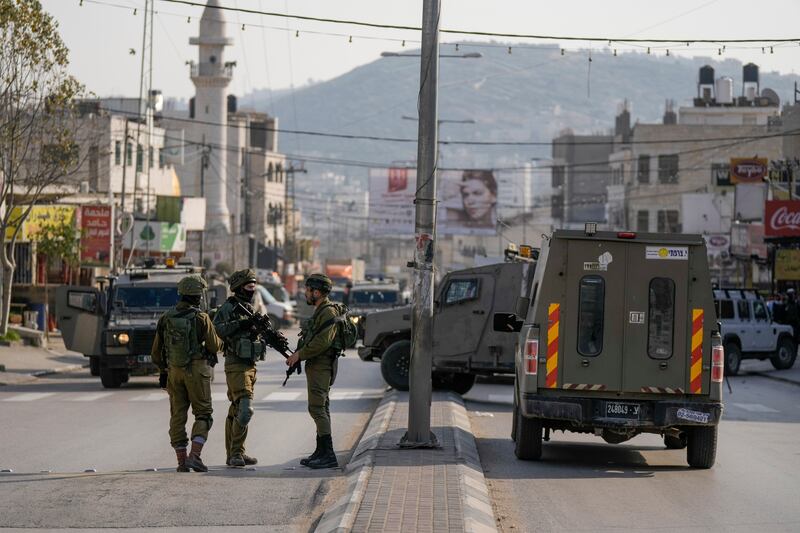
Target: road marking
[[282, 396], [219, 396], [28, 396], [152, 397], [90, 397], [756, 408], [501, 398], [346, 395]]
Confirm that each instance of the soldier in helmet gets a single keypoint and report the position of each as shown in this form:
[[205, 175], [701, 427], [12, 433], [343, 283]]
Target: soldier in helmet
[[242, 348], [185, 339], [316, 349]]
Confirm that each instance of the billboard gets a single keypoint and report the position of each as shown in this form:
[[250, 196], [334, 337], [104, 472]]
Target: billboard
[[95, 235], [749, 201], [782, 218], [164, 237], [391, 201], [40, 216], [467, 203], [748, 169]]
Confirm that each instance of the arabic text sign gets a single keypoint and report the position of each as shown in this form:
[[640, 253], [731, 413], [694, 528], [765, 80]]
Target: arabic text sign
[[95, 235], [39, 217]]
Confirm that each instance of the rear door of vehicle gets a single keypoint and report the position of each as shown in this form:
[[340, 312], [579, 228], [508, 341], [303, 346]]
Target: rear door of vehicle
[[79, 314], [657, 320], [745, 325], [592, 330], [763, 338], [463, 310]]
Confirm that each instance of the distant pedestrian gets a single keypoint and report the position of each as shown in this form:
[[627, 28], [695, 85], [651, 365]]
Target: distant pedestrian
[[185, 342]]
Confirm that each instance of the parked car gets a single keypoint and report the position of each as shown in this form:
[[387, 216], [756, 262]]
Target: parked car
[[281, 314]]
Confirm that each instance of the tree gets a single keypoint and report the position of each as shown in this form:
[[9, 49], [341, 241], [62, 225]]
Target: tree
[[59, 244], [38, 147]]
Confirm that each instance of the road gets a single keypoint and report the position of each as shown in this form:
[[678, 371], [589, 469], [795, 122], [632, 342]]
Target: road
[[57, 429], [584, 484]]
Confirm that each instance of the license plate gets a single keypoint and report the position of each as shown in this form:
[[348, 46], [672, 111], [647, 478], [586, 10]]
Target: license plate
[[622, 410], [144, 359]]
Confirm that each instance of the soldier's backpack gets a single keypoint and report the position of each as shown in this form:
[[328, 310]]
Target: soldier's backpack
[[180, 337], [346, 327]]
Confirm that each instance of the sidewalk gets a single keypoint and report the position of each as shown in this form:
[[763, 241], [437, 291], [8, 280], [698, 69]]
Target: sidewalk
[[396, 490], [766, 370], [24, 364]]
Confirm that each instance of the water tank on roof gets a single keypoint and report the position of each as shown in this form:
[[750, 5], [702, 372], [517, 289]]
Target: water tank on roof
[[707, 75], [232, 103], [750, 72], [705, 84], [724, 90], [750, 83]]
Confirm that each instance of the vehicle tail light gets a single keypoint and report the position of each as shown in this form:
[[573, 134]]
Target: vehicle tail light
[[531, 356], [626, 235], [717, 363]]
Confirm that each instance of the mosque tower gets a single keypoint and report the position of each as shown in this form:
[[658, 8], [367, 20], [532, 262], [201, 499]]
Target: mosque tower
[[211, 76]]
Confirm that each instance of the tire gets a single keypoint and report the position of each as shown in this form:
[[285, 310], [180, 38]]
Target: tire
[[701, 450], [110, 378], [395, 364], [733, 359], [94, 366], [462, 383], [676, 443], [785, 355], [122, 375], [528, 444]]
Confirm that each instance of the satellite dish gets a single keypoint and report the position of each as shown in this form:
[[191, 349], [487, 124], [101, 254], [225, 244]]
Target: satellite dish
[[772, 96]]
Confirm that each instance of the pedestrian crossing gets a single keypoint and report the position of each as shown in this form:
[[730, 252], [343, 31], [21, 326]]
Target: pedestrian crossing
[[162, 396]]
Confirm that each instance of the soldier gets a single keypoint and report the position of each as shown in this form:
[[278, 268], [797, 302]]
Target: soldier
[[316, 348], [185, 340], [242, 348]]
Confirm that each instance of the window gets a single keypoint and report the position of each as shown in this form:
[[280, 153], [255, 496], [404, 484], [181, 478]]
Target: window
[[724, 309], [591, 301], [117, 152], [661, 318], [86, 301], [643, 169], [643, 221], [461, 290], [744, 310], [557, 177], [139, 157], [269, 172], [668, 168], [760, 311], [668, 221], [150, 158], [161, 158], [128, 154]]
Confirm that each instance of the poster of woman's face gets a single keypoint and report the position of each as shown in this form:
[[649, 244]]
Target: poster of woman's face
[[469, 203]]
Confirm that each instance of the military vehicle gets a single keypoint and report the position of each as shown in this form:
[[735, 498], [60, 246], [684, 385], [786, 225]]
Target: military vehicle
[[621, 338], [367, 297], [465, 345], [114, 325], [749, 331]]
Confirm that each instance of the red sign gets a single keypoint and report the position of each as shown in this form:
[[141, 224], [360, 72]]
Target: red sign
[[782, 218], [95, 235], [748, 169], [398, 179]]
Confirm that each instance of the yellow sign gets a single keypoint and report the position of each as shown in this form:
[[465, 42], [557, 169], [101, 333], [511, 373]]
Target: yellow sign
[[787, 265], [40, 216]]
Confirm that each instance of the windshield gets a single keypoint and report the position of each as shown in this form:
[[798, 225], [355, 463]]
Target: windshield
[[152, 296], [336, 296], [279, 293], [373, 297]]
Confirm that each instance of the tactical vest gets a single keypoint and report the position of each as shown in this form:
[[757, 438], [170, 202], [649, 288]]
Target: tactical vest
[[241, 346], [346, 330], [180, 337]]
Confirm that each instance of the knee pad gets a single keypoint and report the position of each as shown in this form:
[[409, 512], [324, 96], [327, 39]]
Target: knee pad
[[207, 419], [245, 411]]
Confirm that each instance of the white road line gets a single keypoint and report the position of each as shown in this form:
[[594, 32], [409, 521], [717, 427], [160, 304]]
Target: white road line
[[90, 397], [756, 408], [501, 398], [346, 395], [152, 397], [28, 396], [282, 396]]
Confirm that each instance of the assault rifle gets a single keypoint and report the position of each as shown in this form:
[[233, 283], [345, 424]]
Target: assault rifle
[[272, 338]]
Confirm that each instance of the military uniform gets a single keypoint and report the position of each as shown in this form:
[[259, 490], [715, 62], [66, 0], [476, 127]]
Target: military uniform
[[242, 348], [184, 364]]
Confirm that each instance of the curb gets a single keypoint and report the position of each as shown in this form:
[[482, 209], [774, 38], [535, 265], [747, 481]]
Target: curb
[[776, 378], [20, 379]]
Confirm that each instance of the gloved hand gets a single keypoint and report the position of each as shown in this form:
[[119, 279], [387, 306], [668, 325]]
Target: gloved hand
[[162, 380], [245, 323]]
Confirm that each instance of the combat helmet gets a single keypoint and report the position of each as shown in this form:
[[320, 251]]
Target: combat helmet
[[192, 285], [242, 277], [320, 282]]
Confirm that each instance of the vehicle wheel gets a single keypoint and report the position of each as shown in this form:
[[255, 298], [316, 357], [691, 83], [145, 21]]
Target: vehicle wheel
[[733, 359], [94, 366], [122, 375], [528, 444], [675, 443], [395, 364], [702, 447], [784, 356], [514, 421], [462, 383], [276, 323], [109, 377], [440, 381]]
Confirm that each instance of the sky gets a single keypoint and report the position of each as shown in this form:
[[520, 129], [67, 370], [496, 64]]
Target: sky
[[105, 36]]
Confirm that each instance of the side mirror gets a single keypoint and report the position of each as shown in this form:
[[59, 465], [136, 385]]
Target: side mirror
[[506, 323]]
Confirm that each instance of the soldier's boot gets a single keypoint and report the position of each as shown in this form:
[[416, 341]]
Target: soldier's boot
[[248, 461], [314, 455], [180, 453], [327, 456], [193, 461]]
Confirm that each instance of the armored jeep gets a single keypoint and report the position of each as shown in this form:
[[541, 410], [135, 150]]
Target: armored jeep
[[749, 331], [114, 325], [621, 338], [464, 341]]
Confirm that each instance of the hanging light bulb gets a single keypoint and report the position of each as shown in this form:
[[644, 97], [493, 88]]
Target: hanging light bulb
[[297, 33], [134, 11], [762, 49], [188, 20], [509, 50], [404, 43], [562, 51], [242, 27], [667, 52], [771, 51], [719, 51], [648, 49], [456, 47], [350, 40], [615, 52]]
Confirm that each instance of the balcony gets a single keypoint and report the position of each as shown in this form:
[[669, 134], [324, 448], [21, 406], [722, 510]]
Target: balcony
[[212, 70]]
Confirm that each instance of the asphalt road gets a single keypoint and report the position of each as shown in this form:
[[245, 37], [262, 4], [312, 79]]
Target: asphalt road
[[57, 429], [584, 484]]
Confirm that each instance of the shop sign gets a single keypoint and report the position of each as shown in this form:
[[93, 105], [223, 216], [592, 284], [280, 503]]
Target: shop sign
[[95, 235], [787, 265], [782, 218], [748, 169], [40, 216]]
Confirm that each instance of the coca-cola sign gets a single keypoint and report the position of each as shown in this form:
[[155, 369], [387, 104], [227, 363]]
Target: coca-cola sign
[[748, 169], [782, 218]]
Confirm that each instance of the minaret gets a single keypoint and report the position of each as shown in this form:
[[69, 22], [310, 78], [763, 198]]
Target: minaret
[[211, 76]]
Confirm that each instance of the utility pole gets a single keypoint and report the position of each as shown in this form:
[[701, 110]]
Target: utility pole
[[120, 254], [274, 214], [203, 165], [419, 433]]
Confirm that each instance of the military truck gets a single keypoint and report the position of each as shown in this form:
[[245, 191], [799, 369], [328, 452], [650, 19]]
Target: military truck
[[621, 338], [114, 324], [465, 344]]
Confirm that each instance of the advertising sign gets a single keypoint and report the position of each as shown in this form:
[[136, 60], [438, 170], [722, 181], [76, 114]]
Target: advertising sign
[[782, 218], [164, 237], [391, 201], [748, 169], [95, 235], [721, 174], [468, 203], [749, 201], [39, 217], [787, 265]]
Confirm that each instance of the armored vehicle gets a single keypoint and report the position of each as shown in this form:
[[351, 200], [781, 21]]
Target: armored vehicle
[[621, 338], [114, 325], [749, 331], [366, 297], [465, 344]]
